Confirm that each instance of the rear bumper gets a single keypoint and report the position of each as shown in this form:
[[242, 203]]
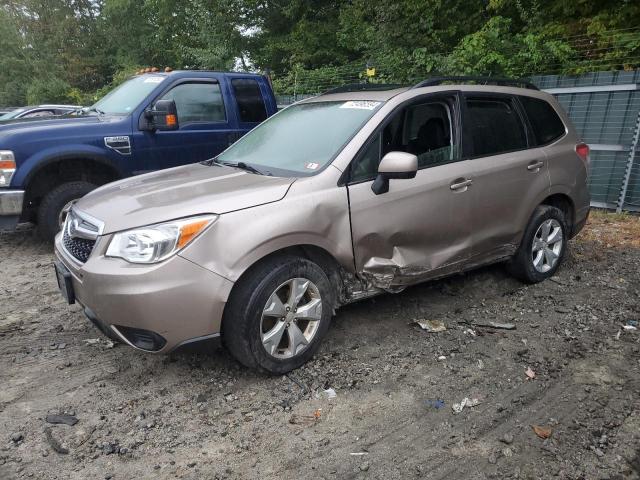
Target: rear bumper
[[155, 308], [580, 221], [10, 208]]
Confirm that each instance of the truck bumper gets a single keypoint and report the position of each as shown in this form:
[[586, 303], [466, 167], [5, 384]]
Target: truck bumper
[[10, 208]]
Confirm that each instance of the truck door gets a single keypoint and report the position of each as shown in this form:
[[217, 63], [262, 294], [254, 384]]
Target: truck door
[[206, 127], [250, 103]]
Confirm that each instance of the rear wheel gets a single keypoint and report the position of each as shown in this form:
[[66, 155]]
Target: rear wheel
[[55, 204], [543, 246], [278, 315]]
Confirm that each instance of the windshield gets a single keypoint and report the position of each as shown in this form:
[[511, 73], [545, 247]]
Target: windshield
[[127, 96], [12, 114], [301, 139]]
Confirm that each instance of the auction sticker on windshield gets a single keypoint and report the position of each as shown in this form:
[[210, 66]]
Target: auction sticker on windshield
[[153, 80], [360, 104]]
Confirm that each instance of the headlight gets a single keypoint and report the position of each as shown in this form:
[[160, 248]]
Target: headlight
[[155, 243], [7, 167]]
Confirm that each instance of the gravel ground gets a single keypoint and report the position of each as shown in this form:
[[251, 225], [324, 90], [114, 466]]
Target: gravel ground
[[198, 414]]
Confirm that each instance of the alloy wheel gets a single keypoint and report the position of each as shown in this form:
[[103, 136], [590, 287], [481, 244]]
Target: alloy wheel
[[290, 318], [547, 245]]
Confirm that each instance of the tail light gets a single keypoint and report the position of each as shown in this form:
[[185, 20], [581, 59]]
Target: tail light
[[582, 149]]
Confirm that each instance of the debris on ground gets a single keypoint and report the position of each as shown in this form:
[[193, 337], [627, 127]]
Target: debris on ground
[[329, 393], [466, 402], [499, 326], [62, 418], [359, 454], [542, 431], [17, 437], [296, 419], [530, 373], [92, 341], [57, 446], [432, 326], [435, 403]]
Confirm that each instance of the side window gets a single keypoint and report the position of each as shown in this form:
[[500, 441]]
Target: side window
[[39, 113], [427, 133], [367, 165], [249, 99], [424, 129], [197, 102], [544, 120], [495, 126]]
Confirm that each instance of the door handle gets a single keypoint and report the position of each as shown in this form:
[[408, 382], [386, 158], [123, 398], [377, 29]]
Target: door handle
[[535, 166], [460, 185]]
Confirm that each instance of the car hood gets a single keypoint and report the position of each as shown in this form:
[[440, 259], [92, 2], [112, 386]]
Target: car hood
[[180, 192]]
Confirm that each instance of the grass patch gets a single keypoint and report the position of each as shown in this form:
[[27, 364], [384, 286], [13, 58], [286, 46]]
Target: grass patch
[[612, 230]]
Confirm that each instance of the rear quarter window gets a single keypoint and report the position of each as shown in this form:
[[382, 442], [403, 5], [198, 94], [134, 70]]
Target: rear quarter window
[[544, 120]]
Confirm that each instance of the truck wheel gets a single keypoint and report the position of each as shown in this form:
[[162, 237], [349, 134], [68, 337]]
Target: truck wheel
[[278, 315], [543, 246], [50, 212]]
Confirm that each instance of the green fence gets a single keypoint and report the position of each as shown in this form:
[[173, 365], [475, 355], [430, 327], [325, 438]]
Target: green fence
[[605, 109]]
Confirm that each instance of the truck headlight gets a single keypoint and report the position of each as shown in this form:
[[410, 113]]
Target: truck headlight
[[156, 243], [7, 167]]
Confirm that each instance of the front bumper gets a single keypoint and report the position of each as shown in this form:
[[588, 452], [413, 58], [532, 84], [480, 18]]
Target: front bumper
[[150, 307], [10, 208]]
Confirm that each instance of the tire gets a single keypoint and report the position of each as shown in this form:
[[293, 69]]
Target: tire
[[53, 202], [523, 264], [243, 327]]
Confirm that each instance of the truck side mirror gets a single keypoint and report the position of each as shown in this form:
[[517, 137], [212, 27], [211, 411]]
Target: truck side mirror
[[163, 116], [394, 165]]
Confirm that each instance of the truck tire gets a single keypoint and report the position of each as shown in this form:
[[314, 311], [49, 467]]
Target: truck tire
[[543, 246], [52, 204], [252, 323]]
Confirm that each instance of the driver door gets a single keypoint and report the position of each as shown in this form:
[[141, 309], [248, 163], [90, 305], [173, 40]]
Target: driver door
[[420, 228]]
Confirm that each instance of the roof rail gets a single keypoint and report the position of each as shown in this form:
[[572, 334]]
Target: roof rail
[[502, 82], [362, 87]]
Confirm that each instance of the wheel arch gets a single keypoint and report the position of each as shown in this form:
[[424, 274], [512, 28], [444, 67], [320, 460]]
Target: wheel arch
[[69, 167], [320, 256]]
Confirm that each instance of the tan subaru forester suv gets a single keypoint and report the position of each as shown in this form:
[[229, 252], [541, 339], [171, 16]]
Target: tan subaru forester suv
[[337, 198]]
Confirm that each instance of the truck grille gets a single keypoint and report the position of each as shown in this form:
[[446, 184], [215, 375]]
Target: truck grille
[[79, 235]]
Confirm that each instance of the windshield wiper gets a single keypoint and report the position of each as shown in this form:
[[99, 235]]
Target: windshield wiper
[[241, 165]]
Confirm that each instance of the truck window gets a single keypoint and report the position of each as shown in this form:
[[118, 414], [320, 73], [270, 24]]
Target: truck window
[[197, 102], [249, 99]]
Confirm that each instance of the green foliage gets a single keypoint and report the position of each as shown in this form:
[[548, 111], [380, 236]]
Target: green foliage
[[77, 50]]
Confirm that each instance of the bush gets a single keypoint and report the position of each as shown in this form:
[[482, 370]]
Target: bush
[[50, 90]]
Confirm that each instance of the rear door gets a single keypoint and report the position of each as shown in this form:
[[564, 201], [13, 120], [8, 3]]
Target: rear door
[[509, 172], [422, 226], [206, 126]]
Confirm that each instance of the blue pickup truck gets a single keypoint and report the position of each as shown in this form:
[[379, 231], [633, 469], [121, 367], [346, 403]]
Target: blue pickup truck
[[150, 122]]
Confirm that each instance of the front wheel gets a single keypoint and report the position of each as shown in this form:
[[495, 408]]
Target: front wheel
[[543, 246], [278, 315], [55, 204]]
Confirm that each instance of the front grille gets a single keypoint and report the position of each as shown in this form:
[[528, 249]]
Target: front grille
[[80, 248], [79, 234]]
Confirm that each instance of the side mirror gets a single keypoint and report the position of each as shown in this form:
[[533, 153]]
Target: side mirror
[[163, 116], [396, 165]]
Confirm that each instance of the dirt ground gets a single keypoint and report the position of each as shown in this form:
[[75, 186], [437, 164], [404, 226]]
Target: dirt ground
[[197, 414]]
